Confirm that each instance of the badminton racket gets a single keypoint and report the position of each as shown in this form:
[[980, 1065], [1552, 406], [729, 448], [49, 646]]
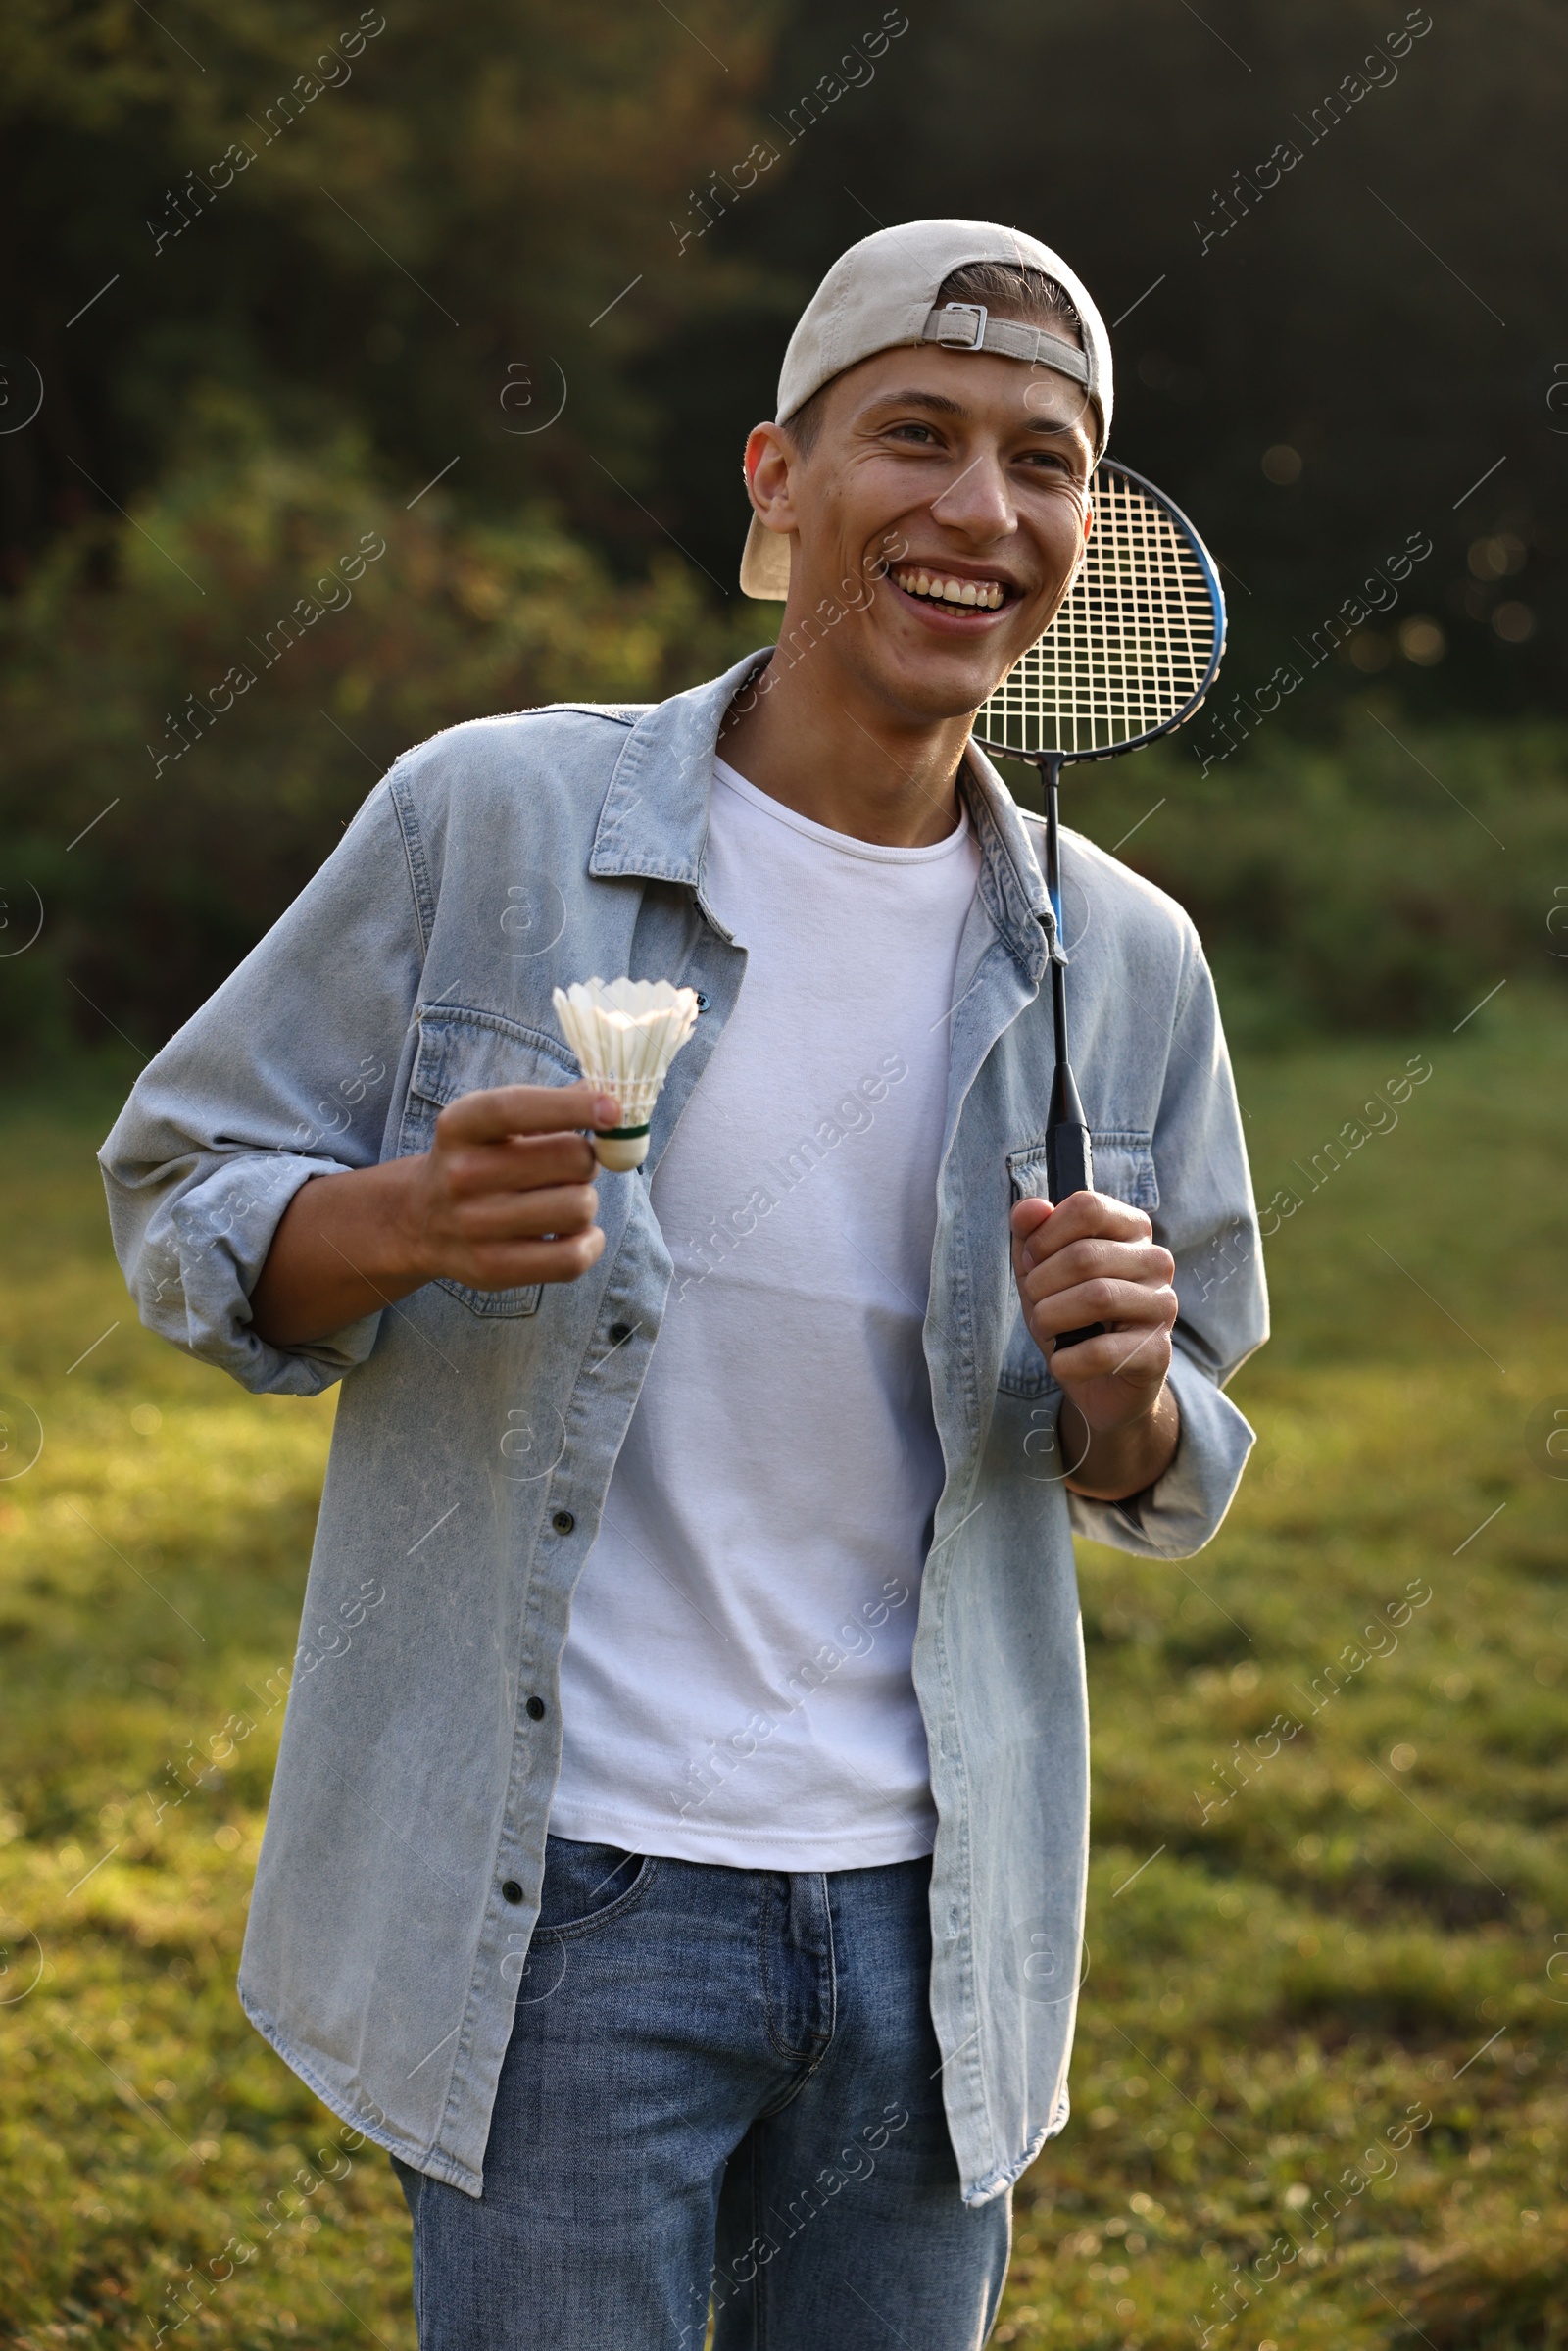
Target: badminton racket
[[1130, 654]]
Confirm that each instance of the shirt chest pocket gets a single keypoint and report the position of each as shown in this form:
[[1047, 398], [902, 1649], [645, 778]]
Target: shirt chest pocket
[[1124, 1169], [465, 1052]]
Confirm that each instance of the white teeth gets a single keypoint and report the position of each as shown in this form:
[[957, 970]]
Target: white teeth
[[982, 595]]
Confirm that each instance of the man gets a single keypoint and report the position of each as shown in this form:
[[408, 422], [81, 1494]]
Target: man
[[676, 1857]]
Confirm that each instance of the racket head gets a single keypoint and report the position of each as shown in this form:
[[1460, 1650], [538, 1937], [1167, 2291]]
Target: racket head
[[1135, 645]]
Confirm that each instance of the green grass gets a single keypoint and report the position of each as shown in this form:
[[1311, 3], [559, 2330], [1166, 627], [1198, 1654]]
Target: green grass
[[1369, 1926]]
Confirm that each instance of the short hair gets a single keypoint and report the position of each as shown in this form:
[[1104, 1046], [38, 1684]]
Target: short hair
[[1009, 288]]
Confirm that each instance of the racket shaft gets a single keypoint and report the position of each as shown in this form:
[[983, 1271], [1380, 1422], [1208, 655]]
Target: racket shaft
[[1070, 1168], [1069, 1155]]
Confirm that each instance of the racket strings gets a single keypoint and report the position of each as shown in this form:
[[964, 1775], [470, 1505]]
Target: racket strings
[[1131, 646]]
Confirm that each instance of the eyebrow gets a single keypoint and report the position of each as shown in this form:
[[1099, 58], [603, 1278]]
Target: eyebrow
[[942, 405]]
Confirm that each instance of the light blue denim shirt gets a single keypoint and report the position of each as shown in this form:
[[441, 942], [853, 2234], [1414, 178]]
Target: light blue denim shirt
[[476, 1432]]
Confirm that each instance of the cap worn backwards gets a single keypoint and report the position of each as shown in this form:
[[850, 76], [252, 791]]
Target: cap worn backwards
[[883, 293]]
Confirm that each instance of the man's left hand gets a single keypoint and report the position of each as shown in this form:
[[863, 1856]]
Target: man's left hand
[[1094, 1260]]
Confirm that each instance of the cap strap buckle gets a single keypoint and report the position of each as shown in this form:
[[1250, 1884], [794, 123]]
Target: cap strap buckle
[[954, 337]]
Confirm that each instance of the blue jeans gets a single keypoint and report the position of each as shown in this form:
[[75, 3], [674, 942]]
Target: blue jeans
[[723, 2086]]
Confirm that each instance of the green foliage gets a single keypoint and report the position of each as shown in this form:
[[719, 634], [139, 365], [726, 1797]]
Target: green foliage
[[1129, 136], [1382, 877], [359, 218], [463, 192], [234, 689], [207, 671], [282, 268], [1294, 1942]]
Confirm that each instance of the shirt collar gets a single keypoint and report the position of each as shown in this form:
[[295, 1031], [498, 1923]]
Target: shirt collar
[[653, 822]]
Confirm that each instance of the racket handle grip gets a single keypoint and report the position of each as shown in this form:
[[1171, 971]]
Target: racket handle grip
[[1069, 1161], [1070, 1168], [1091, 1330]]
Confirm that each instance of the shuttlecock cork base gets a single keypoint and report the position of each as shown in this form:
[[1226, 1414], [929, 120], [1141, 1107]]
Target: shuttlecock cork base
[[625, 1034], [621, 1150]]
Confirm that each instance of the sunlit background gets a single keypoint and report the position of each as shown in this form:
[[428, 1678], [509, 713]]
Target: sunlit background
[[363, 372]]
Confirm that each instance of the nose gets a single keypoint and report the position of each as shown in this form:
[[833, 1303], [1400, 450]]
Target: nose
[[977, 503]]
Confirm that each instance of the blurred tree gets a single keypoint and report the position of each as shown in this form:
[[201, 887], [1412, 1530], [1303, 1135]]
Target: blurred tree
[[178, 755], [393, 219], [504, 288], [1387, 314], [1328, 236]]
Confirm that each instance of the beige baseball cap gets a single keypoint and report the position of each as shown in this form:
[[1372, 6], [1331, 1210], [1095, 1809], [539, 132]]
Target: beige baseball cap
[[882, 293]]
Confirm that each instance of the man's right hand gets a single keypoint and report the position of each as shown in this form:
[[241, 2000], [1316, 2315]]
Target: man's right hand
[[503, 1198]]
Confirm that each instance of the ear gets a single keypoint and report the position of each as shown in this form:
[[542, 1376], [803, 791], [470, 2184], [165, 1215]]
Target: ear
[[771, 460]]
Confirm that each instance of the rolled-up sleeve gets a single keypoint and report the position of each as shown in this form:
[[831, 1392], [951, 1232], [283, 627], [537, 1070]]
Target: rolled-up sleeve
[[1207, 1219], [287, 1072]]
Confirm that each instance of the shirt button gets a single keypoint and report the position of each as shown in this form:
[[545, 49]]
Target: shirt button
[[536, 1711], [510, 1891], [702, 1001], [562, 1522], [619, 1331]]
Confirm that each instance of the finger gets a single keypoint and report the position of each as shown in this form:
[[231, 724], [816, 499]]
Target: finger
[[558, 1208], [1026, 1218], [501, 1110], [1124, 1303], [1086, 1216], [1143, 1263], [519, 1164], [1142, 1357], [519, 1264]]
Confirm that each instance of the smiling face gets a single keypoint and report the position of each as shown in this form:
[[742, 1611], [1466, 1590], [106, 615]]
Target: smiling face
[[964, 473]]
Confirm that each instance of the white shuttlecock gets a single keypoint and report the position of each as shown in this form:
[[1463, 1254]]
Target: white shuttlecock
[[625, 1034]]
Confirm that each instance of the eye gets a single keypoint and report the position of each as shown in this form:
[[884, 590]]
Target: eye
[[912, 431]]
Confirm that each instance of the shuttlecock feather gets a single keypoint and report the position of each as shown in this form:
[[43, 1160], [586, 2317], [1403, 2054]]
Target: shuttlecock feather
[[625, 1034]]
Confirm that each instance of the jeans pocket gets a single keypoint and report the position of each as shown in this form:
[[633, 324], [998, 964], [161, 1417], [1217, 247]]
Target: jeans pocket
[[587, 1886]]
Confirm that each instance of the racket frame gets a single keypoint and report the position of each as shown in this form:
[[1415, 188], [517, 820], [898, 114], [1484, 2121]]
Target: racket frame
[[1069, 1155]]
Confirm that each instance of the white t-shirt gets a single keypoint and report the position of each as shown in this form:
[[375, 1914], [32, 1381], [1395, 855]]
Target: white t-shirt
[[735, 1686]]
